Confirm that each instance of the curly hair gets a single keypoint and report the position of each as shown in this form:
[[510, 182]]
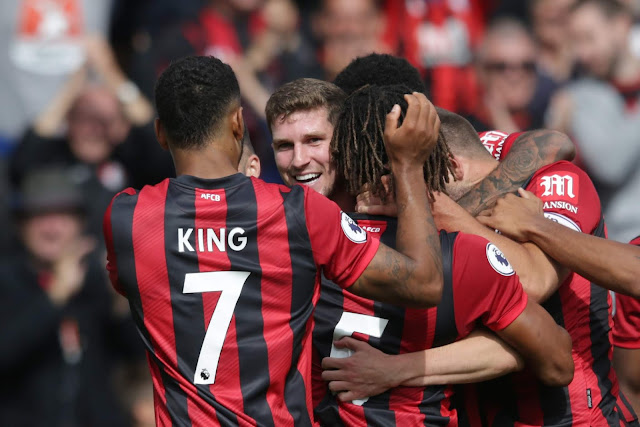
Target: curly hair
[[192, 97], [379, 69], [358, 142]]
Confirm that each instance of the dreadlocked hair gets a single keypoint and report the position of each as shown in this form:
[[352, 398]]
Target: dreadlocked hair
[[358, 142]]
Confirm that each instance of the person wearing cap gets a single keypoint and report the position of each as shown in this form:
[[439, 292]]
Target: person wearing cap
[[54, 311]]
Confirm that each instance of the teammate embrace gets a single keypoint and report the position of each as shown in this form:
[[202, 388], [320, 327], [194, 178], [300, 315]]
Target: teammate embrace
[[280, 282]]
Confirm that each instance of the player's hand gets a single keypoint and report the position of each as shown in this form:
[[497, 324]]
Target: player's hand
[[367, 372], [370, 204], [70, 270], [412, 143], [450, 216], [513, 216]]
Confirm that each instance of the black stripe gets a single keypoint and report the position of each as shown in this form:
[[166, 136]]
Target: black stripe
[[600, 343], [445, 332], [252, 348], [627, 406], [187, 312], [555, 402], [376, 409], [304, 273], [500, 395]]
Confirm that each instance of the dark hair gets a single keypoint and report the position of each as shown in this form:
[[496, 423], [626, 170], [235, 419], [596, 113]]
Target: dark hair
[[379, 69], [303, 95], [358, 145], [609, 8], [193, 95], [460, 136]]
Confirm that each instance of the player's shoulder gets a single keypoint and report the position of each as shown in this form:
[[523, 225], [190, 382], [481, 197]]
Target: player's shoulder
[[474, 254], [560, 166]]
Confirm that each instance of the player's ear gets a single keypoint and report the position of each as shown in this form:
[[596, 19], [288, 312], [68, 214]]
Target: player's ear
[[252, 167], [456, 168], [161, 134], [237, 124]]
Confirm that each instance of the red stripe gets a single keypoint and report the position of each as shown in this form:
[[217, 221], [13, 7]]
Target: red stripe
[[273, 247], [575, 300], [152, 278]]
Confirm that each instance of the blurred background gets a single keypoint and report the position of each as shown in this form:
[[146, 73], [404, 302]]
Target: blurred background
[[76, 127]]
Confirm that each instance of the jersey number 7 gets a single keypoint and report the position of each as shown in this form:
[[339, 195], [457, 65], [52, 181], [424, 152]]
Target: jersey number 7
[[230, 284]]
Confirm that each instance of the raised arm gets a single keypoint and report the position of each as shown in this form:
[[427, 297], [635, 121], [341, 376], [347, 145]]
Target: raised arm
[[412, 275], [529, 152], [613, 265]]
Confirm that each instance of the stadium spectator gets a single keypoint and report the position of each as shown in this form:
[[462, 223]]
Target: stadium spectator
[[108, 132], [439, 38], [347, 30], [550, 25], [25, 93], [600, 111], [56, 314], [509, 81]]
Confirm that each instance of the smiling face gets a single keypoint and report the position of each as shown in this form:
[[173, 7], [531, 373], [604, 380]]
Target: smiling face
[[301, 144]]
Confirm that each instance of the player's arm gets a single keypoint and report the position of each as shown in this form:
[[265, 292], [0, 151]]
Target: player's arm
[[626, 362], [545, 346], [411, 275], [539, 274], [613, 265], [529, 152], [367, 372]]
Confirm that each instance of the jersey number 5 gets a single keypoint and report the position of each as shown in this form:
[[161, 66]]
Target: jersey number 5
[[355, 322], [230, 284]]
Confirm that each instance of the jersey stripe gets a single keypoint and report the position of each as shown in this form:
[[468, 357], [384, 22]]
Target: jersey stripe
[[124, 252], [303, 273], [253, 356], [152, 278]]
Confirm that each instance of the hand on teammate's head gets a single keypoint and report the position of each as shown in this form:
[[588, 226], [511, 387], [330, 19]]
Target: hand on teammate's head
[[414, 140]]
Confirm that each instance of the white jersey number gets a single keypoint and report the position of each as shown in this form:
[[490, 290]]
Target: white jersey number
[[230, 284], [361, 323]]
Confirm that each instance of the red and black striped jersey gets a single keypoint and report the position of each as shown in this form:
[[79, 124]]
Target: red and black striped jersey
[[583, 309], [626, 325], [222, 276], [480, 288]]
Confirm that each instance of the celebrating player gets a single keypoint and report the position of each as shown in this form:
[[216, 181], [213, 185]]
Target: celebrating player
[[300, 115], [571, 200], [222, 271]]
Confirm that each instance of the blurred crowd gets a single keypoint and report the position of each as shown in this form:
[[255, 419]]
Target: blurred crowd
[[76, 127]]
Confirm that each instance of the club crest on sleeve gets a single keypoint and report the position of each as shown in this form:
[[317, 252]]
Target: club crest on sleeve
[[352, 230], [498, 261], [562, 220]]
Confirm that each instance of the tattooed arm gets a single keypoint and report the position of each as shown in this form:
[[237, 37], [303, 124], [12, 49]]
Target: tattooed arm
[[530, 151]]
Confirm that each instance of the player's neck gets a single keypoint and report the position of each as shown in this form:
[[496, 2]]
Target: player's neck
[[344, 200], [209, 163], [480, 169]]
